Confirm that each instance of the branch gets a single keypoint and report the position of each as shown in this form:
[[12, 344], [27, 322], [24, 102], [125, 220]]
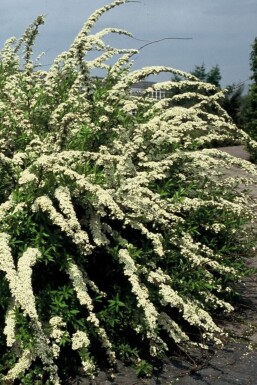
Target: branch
[[165, 38]]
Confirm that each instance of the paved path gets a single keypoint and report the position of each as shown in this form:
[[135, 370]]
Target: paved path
[[237, 151]]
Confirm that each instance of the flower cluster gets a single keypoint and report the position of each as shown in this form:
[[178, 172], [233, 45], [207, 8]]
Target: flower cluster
[[118, 218]]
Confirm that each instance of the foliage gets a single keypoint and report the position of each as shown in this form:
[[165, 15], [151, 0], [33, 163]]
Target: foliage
[[250, 104], [234, 102], [250, 115], [119, 238], [213, 76], [253, 61]]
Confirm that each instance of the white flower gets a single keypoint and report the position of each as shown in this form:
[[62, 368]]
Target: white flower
[[79, 340], [24, 363]]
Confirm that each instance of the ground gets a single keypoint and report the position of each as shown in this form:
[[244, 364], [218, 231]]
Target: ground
[[235, 364]]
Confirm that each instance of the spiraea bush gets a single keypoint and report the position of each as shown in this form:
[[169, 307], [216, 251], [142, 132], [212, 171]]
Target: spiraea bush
[[119, 238]]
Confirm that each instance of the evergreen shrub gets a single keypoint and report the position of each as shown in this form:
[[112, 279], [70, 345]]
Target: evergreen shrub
[[119, 238]]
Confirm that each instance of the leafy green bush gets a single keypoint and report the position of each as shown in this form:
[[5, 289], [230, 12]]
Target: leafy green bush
[[117, 240]]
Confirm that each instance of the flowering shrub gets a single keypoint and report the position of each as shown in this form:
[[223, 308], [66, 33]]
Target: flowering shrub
[[251, 146], [119, 238]]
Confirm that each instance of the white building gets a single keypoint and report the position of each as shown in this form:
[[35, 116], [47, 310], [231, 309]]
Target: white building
[[139, 89]]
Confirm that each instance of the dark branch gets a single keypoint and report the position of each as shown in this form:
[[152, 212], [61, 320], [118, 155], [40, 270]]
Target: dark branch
[[165, 38]]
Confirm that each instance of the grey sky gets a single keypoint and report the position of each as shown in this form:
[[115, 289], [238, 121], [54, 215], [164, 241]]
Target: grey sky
[[222, 31]]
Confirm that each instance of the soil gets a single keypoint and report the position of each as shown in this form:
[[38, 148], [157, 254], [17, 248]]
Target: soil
[[235, 363]]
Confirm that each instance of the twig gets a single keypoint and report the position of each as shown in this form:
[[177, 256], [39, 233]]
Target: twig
[[165, 38]]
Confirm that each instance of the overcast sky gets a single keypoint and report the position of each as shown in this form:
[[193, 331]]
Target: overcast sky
[[222, 31]]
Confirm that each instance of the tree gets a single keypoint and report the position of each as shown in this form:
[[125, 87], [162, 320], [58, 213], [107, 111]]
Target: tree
[[213, 76], [233, 102], [253, 61], [200, 72], [250, 109]]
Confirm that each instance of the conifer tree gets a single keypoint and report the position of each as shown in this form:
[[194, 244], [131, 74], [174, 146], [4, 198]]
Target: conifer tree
[[213, 76], [250, 110]]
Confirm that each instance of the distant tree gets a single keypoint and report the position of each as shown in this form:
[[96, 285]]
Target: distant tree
[[233, 102], [253, 61], [250, 109], [200, 72], [213, 76]]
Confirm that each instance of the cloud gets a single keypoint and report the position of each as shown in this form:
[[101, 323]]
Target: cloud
[[222, 31]]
